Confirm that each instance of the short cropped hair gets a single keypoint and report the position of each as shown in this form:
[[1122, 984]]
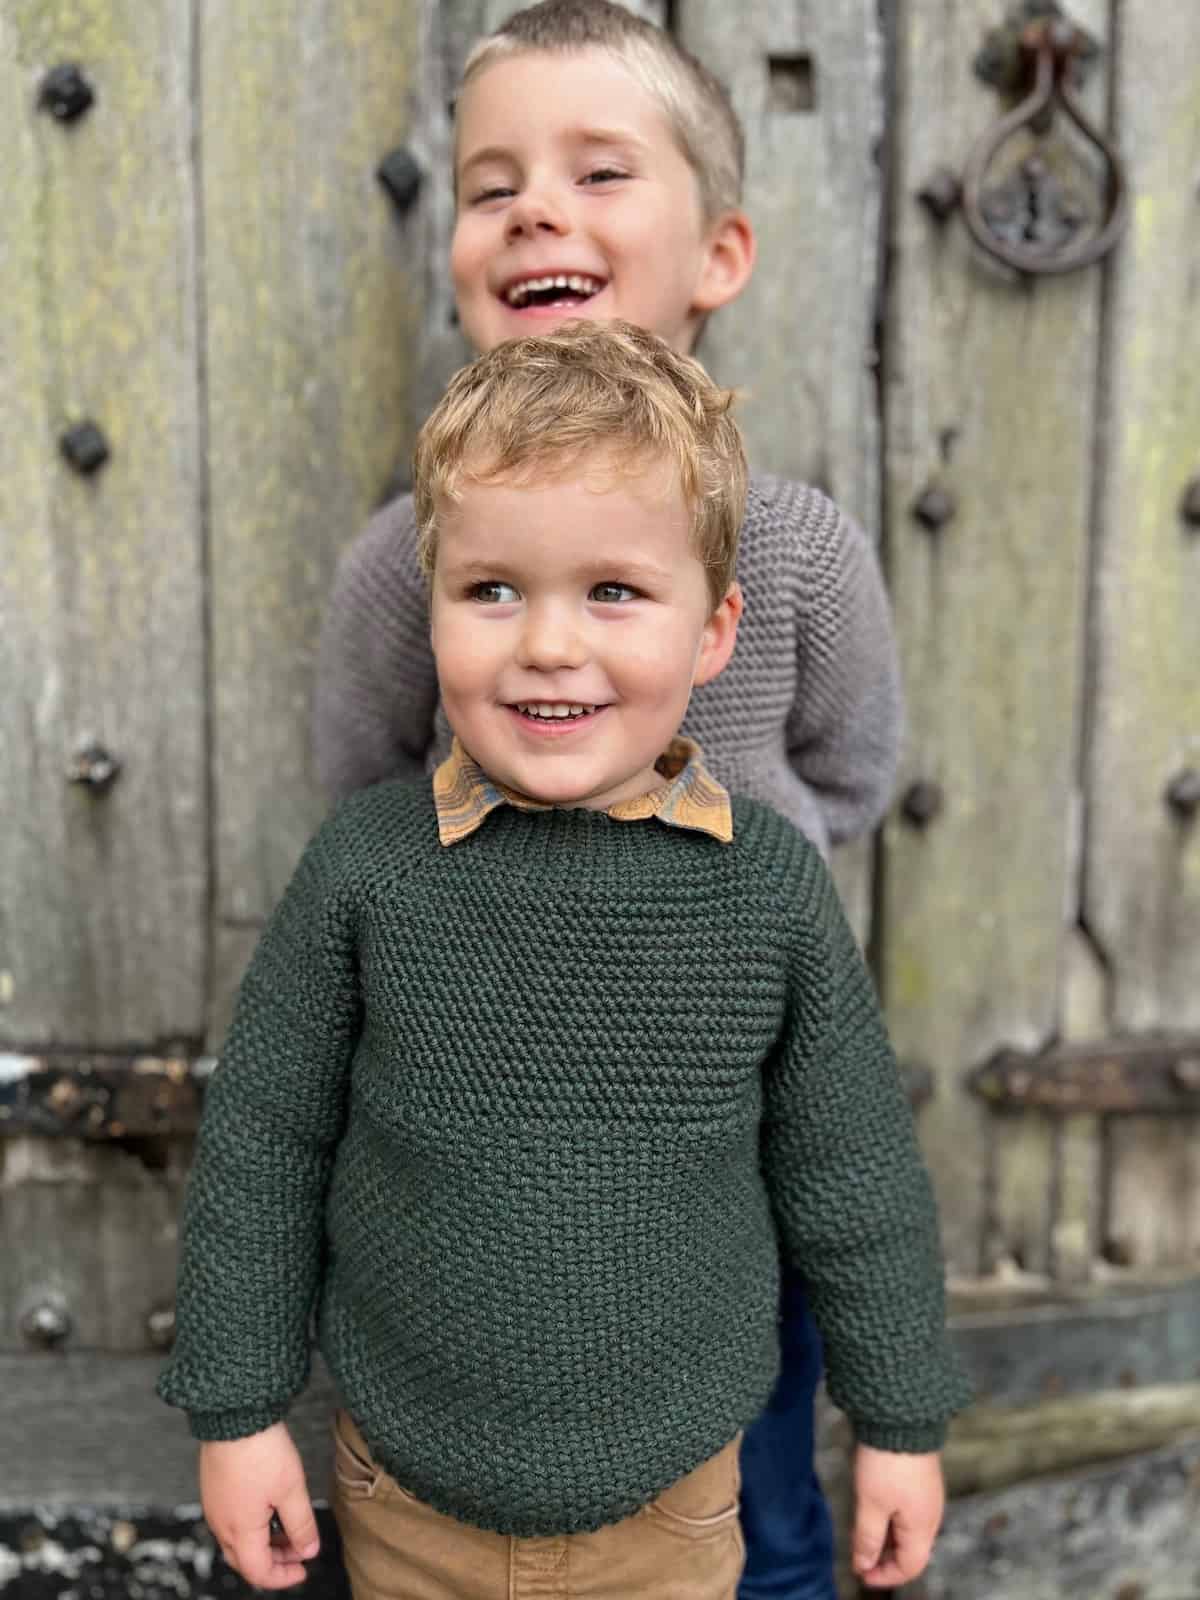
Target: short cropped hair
[[696, 105], [589, 393]]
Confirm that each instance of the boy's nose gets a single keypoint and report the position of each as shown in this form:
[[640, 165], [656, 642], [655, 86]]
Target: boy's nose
[[535, 210], [549, 642]]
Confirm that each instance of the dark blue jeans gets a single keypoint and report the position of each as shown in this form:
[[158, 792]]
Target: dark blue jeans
[[786, 1522]]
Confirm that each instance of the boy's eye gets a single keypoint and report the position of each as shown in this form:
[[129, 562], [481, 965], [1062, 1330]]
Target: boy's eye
[[604, 175], [496, 192], [493, 593], [608, 593]]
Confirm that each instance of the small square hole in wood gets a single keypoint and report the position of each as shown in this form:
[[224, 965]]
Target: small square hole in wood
[[792, 84]]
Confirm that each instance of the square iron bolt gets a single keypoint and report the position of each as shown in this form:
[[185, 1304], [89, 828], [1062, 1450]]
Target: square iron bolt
[[1183, 793], [84, 447], [400, 175], [921, 803], [941, 194], [934, 507], [65, 93]]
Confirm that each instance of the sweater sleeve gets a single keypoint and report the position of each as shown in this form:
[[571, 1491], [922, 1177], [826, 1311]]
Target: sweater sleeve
[[253, 1216], [845, 725], [376, 687], [852, 1198]]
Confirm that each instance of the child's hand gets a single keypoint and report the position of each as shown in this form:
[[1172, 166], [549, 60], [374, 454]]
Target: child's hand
[[242, 1481], [899, 1503]]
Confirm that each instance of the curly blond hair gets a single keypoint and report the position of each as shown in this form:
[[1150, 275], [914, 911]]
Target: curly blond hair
[[588, 392]]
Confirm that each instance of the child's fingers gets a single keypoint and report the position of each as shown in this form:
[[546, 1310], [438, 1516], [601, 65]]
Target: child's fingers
[[254, 1558], [294, 1509], [871, 1524], [886, 1575], [912, 1547], [904, 1559]]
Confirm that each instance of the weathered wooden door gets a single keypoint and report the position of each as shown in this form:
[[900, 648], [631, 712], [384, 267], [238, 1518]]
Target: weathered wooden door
[[201, 262]]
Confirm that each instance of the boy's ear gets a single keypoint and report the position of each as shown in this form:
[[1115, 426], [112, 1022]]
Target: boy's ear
[[728, 263], [719, 636]]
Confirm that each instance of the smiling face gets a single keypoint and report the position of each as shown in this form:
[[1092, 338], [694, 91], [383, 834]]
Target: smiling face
[[571, 618], [575, 200]]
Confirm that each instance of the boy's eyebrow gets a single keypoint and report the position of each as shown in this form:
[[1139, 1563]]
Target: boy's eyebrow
[[491, 152], [596, 568], [611, 136], [619, 567], [582, 136]]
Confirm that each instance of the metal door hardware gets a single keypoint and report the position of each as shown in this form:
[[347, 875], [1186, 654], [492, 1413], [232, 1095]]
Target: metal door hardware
[[400, 175], [95, 1096], [922, 802], [1032, 221], [1130, 1075], [65, 93], [84, 447], [93, 767], [45, 1322], [1183, 793]]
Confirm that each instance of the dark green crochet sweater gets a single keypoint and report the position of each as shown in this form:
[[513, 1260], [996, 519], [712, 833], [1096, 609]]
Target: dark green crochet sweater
[[525, 1121]]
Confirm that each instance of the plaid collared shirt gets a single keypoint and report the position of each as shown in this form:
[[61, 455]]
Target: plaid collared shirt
[[688, 797]]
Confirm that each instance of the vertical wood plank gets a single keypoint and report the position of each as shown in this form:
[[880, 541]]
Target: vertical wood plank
[[313, 298], [101, 635], [1143, 862], [807, 83], [989, 394]]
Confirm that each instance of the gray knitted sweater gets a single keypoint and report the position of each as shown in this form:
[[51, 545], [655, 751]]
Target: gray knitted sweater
[[806, 718]]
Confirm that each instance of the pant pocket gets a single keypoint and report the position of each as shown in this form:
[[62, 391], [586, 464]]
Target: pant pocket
[[703, 1503], [358, 1477]]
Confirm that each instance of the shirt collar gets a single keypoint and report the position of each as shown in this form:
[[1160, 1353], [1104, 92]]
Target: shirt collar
[[688, 796]]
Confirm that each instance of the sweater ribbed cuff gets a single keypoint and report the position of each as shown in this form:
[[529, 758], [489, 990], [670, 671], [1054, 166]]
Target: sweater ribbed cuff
[[904, 1438], [239, 1424]]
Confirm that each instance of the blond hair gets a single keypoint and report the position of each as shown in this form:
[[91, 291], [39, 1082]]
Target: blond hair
[[696, 105], [588, 393]]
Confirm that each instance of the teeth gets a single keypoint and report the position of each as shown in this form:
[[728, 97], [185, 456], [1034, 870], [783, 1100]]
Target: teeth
[[519, 293], [553, 710]]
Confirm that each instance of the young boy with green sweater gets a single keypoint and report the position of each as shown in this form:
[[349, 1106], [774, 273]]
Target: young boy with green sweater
[[598, 174], [544, 1063]]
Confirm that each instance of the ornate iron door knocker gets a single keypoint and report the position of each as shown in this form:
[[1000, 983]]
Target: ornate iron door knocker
[[1035, 225]]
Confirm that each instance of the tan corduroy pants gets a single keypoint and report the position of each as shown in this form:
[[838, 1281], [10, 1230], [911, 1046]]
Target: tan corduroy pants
[[686, 1545]]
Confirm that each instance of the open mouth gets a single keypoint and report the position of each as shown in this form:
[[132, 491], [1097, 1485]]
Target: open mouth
[[562, 289]]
